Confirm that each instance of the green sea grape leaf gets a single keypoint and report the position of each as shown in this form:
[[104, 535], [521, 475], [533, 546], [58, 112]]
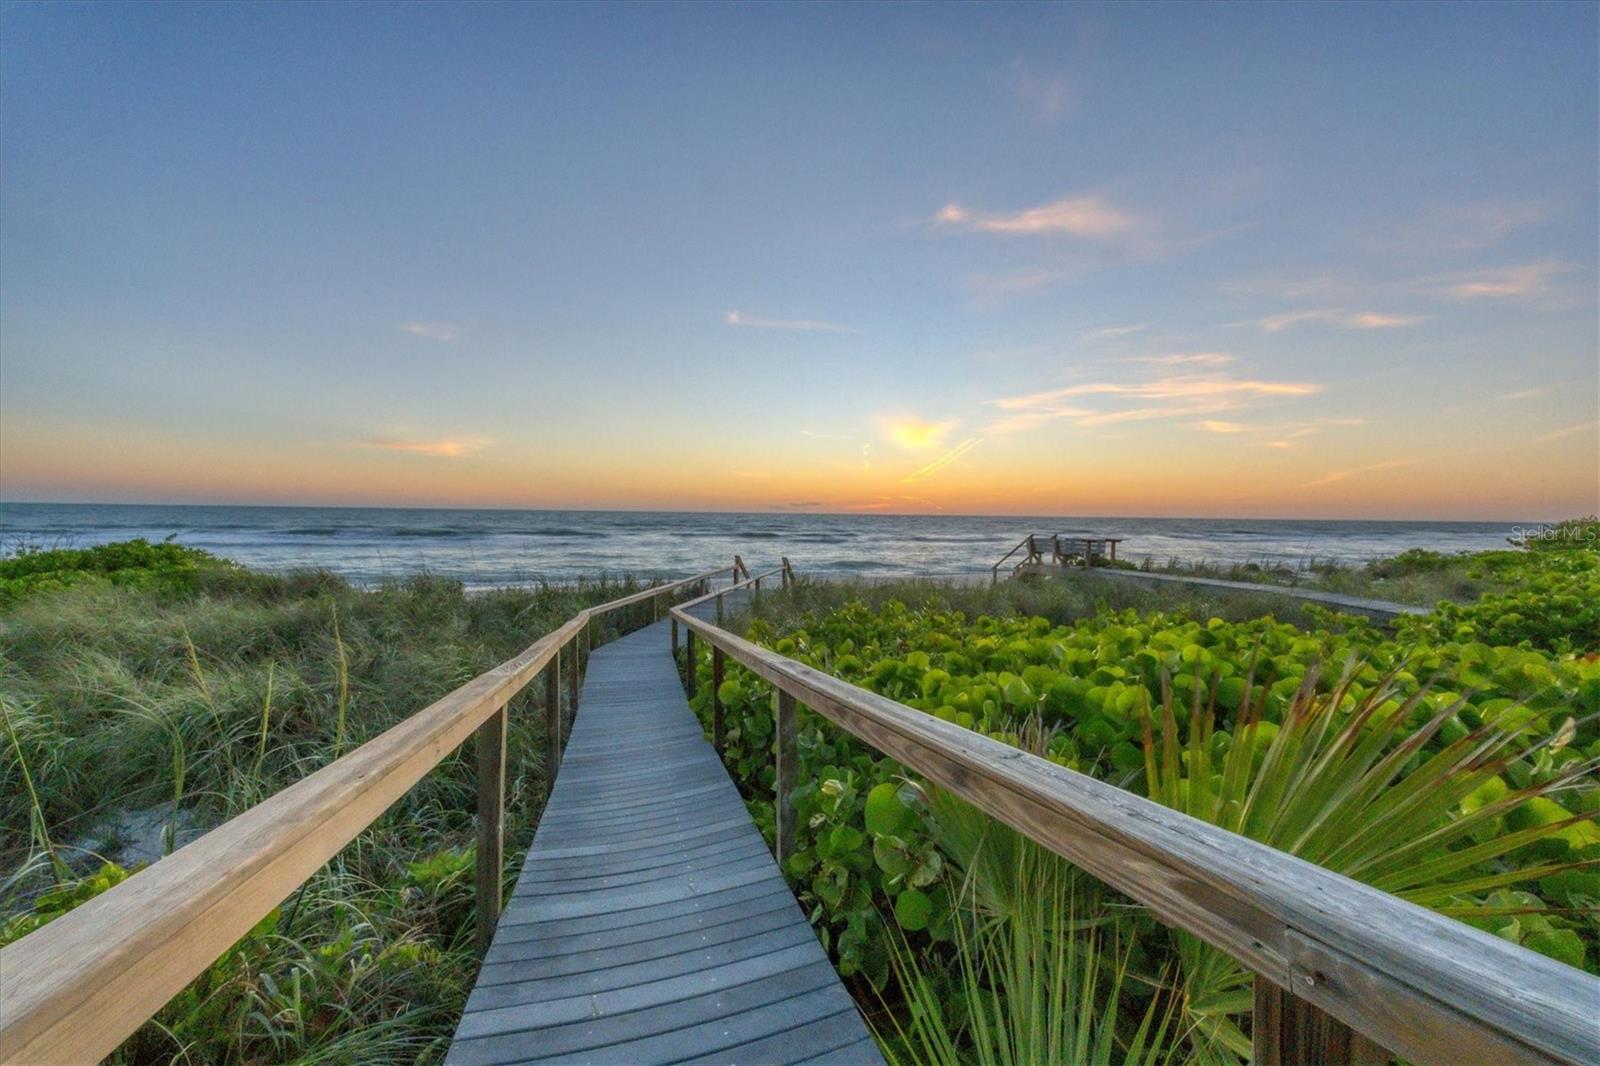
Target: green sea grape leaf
[[913, 909], [887, 814]]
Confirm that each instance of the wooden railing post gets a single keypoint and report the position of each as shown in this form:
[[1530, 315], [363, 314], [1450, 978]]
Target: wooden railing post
[[491, 823], [788, 572], [1288, 1031], [718, 725], [688, 642], [788, 770], [674, 641], [719, 608], [552, 723], [572, 683]]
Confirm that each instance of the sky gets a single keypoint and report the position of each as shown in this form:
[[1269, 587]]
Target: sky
[[1169, 260]]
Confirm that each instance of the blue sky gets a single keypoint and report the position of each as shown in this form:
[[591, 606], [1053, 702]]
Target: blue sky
[[1310, 260]]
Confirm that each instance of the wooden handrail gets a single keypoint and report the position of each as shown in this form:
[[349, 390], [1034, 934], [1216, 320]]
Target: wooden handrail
[[73, 990], [994, 571], [748, 582], [1424, 986], [783, 569]]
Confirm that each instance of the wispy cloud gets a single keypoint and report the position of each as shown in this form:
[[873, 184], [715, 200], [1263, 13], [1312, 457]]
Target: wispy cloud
[[1527, 281], [1084, 217], [1290, 436], [1565, 431], [1319, 286], [803, 325], [1112, 332], [433, 331], [1343, 475], [1186, 359], [944, 460], [1458, 227], [1106, 403], [1049, 96], [915, 434], [803, 505], [1183, 387], [1334, 317], [453, 448], [1022, 280], [1212, 425], [1528, 394]]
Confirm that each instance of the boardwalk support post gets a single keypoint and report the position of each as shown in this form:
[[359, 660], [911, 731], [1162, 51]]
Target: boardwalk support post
[[718, 725], [491, 823], [788, 770], [552, 724], [674, 640], [1287, 1030]]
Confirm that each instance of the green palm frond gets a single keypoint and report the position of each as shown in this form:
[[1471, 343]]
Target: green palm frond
[[1348, 779]]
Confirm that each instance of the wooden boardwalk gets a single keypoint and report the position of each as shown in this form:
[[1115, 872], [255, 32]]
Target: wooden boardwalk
[[1379, 610], [650, 923]]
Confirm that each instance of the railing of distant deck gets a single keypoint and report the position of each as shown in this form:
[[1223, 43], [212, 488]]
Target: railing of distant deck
[[75, 989], [1034, 545], [1344, 972]]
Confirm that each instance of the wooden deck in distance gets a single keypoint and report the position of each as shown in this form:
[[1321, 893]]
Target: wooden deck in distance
[[650, 923]]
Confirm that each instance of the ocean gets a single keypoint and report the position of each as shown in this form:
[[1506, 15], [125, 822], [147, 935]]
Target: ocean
[[484, 548]]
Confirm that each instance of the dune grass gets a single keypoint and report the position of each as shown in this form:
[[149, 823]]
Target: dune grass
[[188, 690]]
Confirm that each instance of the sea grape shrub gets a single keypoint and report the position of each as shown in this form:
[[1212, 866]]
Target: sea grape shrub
[[1412, 561], [862, 852], [1573, 534], [164, 567], [1089, 680], [1552, 604], [1078, 695]]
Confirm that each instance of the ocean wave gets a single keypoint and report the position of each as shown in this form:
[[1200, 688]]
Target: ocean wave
[[822, 538], [435, 534], [860, 565]]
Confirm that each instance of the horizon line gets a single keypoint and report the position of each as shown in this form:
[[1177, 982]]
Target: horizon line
[[777, 511]]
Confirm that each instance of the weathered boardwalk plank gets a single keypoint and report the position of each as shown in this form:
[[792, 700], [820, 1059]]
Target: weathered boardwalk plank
[[650, 923]]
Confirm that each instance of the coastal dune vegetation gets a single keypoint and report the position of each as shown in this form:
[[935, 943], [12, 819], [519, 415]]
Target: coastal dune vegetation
[[150, 691], [1450, 761]]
